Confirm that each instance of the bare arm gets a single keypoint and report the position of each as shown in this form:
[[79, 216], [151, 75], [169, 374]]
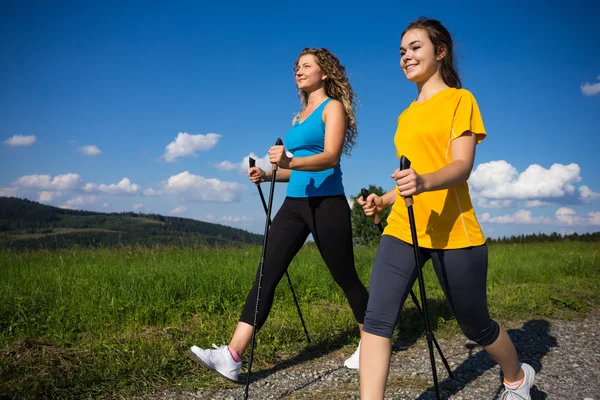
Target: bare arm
[[374, 204], [283, 175], [335, 132], [258, 175]]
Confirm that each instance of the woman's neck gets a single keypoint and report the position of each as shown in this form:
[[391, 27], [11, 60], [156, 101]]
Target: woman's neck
[[430, 87], [316, 97]]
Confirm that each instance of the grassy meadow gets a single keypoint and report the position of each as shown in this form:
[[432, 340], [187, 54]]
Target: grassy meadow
[[113, 323]]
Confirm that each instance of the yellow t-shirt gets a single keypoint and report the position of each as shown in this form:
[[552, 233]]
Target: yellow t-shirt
[[444, 219]]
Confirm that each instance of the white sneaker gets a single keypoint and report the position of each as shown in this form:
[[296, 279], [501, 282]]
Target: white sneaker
[[219, 360], [353, 361], [522, 392]]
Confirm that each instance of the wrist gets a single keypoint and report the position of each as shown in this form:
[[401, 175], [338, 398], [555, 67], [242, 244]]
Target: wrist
[[291, 164], [426, 183]]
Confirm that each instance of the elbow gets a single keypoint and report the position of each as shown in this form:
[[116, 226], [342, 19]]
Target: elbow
[[467, 168], [467, 175], [332, 161]]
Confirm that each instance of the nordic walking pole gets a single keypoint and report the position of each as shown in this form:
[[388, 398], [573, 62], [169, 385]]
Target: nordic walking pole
[[408, 201], [260, 269], [365, 193], [252, 163]]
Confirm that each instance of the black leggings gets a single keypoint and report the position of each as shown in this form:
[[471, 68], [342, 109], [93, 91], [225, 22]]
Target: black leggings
[[462, 274], [328, 219]]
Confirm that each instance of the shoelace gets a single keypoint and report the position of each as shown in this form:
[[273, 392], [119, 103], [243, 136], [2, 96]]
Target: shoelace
[[224, 347], [513, 395]]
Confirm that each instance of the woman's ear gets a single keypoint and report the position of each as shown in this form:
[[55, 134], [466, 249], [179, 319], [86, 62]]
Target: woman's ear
[[441, 53]]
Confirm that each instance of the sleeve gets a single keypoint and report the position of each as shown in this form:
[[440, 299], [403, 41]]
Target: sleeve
[[467, 118]]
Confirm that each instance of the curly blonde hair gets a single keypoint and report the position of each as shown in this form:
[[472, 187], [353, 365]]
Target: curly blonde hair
[[337, 86]]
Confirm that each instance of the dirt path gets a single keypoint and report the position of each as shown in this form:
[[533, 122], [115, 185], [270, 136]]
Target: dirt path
[[565, 355]]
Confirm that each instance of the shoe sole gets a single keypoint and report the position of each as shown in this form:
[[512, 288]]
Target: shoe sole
[[200, 361]]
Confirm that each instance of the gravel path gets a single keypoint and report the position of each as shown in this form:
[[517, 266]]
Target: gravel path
[[565, 355]]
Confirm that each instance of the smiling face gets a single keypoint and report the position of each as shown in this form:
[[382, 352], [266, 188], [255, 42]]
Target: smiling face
[[309, 75], [419, 59]]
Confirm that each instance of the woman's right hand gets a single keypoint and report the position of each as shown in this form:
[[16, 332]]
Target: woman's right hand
[[372, 205], [256, 175]]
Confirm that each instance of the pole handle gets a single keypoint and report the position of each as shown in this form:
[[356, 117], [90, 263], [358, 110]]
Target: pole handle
[[405, 164], [365, 193], [279, 142], [252, 163]]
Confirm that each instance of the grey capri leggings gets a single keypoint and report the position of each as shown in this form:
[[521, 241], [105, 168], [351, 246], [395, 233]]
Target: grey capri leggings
[[462, 274]]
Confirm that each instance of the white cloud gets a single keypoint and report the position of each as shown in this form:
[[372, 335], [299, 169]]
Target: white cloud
[[500, 180], [227, 166], [567, 216], [594, 218], [46, 196], [194, 187], [8, 192], [187, 145], [261, 162], [229, 219], [152, 193], [235, 219], [45, 182], [20, 140], [520, 217], [591, 89], [586, 194], [81, 201], [499, 203], [563, 216], [536, 203], [124, 187], [137, 206], [485, 203], [90, 150], [178, 210]]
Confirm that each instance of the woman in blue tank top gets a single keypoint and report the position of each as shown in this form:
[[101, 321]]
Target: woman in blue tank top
[[315, 202]]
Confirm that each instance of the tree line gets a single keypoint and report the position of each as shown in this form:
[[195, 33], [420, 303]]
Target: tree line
[[26, 224]]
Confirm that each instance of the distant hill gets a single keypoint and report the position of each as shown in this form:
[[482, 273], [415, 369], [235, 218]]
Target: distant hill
[[26, 224]]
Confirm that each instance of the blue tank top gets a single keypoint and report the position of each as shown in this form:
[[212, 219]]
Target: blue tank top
[[307, 139]]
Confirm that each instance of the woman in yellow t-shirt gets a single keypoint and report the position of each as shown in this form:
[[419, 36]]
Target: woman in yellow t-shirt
[[438, 132]]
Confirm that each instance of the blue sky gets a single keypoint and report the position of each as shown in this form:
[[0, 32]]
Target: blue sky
[[155, 106]]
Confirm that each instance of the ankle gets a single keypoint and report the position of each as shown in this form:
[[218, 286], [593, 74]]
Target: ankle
[[520, 378], [234, 354]]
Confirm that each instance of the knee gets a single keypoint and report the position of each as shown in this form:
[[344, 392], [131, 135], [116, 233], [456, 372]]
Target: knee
[[379, 325], [346, 281], [483, 334]]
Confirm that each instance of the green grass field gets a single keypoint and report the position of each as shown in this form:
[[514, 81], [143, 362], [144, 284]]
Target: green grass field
[[103, 323]]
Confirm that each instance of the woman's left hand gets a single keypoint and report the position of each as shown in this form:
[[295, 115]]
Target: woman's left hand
[[409, 182], [277, 155]]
